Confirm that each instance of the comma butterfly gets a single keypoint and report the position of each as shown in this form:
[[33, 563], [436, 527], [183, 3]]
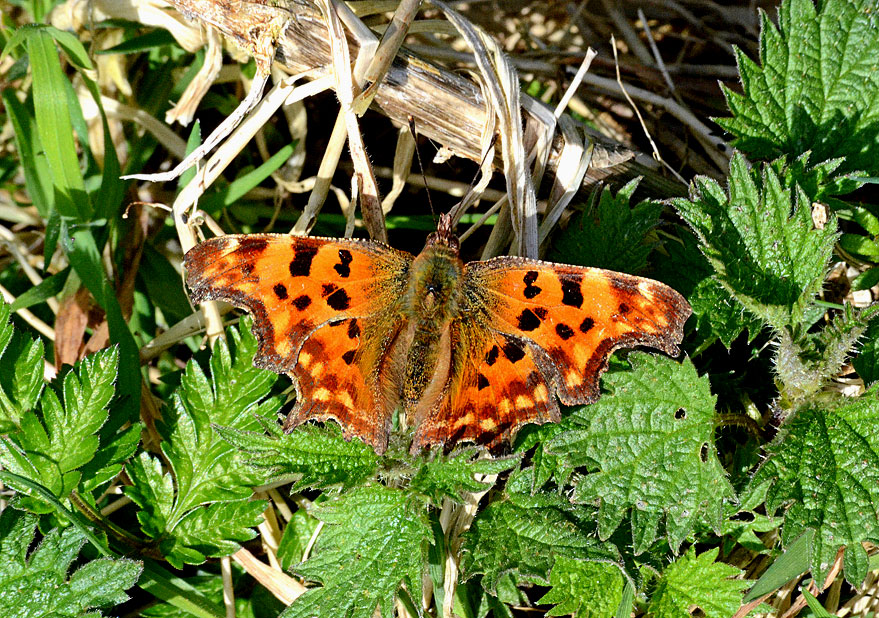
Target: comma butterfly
[[468, 352]]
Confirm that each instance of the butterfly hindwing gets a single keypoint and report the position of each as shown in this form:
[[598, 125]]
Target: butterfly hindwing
[[496, 384]]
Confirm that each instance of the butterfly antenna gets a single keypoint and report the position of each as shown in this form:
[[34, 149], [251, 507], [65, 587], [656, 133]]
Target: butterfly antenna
[[411, 120], [458, 208]]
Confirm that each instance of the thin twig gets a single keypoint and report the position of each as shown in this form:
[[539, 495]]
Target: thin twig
[[656, 154], [656, 55]]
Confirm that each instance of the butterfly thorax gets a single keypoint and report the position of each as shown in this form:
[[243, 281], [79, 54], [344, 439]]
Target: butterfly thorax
[[431, 302]]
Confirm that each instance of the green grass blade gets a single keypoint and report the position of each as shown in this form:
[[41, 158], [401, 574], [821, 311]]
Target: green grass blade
[[792, 563], [55, 127]]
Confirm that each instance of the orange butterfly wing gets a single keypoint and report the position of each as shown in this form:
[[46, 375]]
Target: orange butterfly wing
[[325, 312], [531, 329]]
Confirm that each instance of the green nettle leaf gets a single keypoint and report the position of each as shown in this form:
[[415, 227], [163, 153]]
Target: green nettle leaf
[[612, 235], [806, 364], [36, 585], [508, 537], [649, 443], [769, 258], [821, 181], [817, 89], [545, 465], [451, 476], [866, 363], [583, 589], [58, 440], [297, 534], [718, 315], [317, 456], [375, 540], [824, 469], [698, 580], [21, 372], [198, 508]]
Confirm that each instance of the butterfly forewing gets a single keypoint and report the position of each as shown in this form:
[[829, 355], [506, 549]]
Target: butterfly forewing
[[578, 316]]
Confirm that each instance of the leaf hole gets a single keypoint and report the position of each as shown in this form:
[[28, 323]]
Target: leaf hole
[[681, 414], [703, 452]]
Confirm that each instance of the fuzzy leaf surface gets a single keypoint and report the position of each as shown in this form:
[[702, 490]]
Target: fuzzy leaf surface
[[717, 313], [208, 478], [804, 365], [825, 471], [375, 540], [37, 585], [762, 246], [698, 580], [583, 589], [525, 540], [649, 446], [817, 89], [318, 456], [451, 476]]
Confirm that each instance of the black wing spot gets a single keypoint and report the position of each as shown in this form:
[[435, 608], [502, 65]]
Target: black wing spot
[[586, 325], [513, 351], [540, 312], [353, 329], [348, 356], [328, 288], [339, 300], [343, 267], [300, 266], [528, 321], [481, 381], [571, 293], [564, 331], [531, 290], [624, 308], [280, 291], [492, 355], [302, 302]]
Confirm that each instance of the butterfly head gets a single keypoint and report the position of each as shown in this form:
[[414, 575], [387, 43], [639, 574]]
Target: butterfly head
[[444, 235]]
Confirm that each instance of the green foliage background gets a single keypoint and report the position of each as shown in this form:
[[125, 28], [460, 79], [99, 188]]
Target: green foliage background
[[630, 504]]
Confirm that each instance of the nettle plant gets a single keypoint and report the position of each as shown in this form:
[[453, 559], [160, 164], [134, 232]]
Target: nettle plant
[[627, 504]]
